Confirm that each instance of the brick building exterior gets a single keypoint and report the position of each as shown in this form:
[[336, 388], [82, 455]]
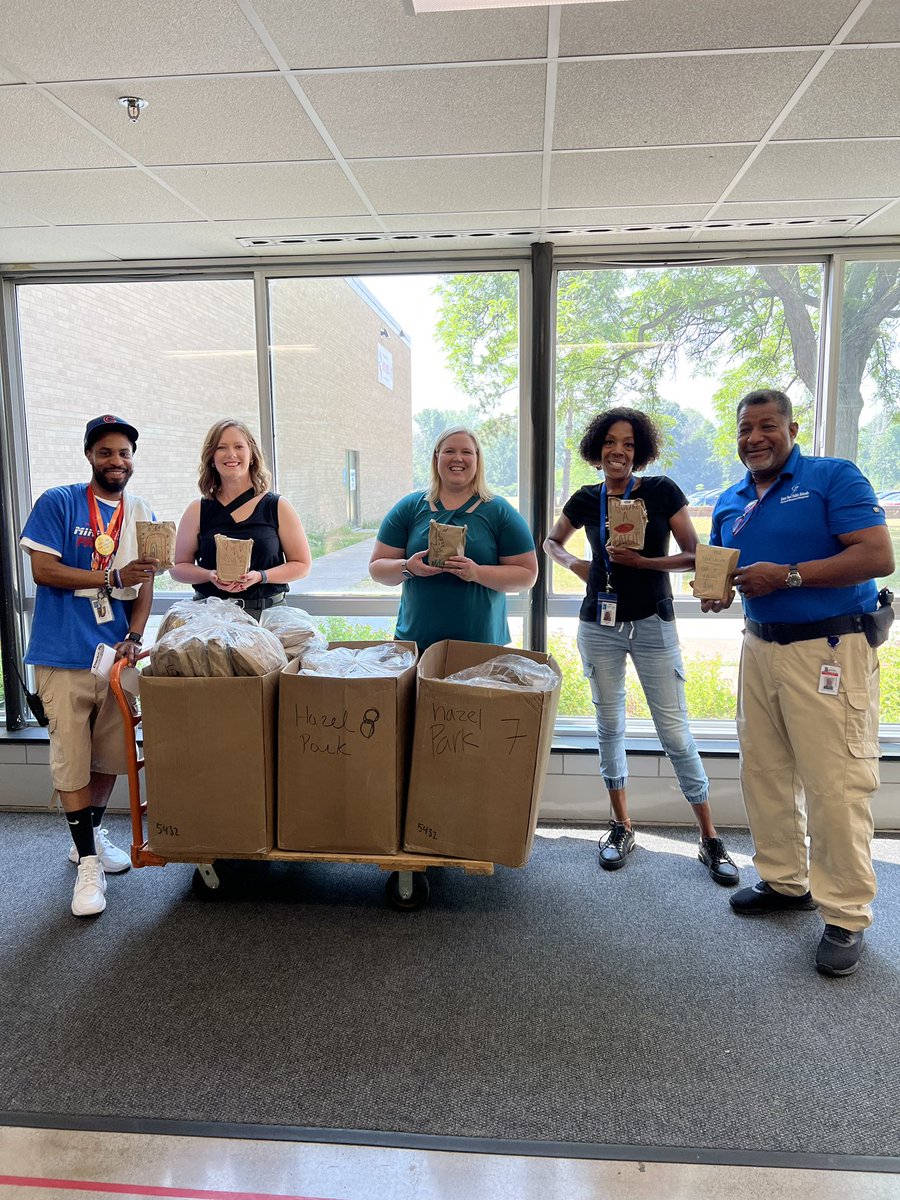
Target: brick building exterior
[[174, 356]]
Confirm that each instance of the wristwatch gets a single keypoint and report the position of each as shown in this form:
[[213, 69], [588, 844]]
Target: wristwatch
[[407, 574], [794, 579], [131, 636]]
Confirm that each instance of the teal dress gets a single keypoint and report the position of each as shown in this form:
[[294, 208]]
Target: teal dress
[[442, 606]]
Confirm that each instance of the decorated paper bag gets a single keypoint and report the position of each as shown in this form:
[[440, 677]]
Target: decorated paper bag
[[444, 541], [627, 522], [232, 557], [156, 539], [714, 572]]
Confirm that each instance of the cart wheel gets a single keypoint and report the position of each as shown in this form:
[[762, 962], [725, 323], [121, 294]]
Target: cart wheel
[[205, 882], [407, 890]]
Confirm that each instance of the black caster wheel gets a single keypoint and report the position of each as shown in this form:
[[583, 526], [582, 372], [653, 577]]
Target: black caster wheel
[[407, 890]]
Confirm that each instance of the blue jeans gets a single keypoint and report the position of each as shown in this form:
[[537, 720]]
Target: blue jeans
[[653, 646]]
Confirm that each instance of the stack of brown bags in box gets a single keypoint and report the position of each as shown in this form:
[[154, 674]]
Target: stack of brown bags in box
[[211, 639]]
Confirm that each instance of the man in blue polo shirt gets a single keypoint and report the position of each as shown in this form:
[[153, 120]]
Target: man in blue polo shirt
[[812, 539]]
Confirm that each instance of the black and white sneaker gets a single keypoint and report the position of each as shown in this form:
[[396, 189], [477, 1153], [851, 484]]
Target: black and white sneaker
[[615, 846]]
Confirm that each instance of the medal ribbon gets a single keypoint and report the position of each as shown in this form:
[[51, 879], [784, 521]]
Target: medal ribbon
[[106, 538]]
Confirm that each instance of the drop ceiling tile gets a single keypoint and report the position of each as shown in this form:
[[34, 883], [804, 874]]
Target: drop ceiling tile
[[821, 170], [383, 32], [879, 23], [855, 95], [267, 190], [7, 76], [14, 215], [100, 197], [105, 38], [647, 25], [187, 239], [19, 247], [201, 121], [777, 209], [463, 110], [278, 227], [513, 219], [611, 178], [626, 216], [38, 136], [887, 225], [433, 185], [669, 101]]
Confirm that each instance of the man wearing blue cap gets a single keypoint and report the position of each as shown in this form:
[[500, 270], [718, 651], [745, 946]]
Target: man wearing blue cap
[[93, 591]]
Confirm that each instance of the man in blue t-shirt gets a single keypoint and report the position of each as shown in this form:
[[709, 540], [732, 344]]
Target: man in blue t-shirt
[[812, 540], [93, 591]]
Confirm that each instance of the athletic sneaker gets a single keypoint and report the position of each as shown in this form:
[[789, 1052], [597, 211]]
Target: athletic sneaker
[[89, 897], [112, 859], [718, 861], [838, 952]]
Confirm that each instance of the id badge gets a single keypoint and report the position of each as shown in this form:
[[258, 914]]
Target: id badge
[[103, 612], [829, 679], [606, 608]]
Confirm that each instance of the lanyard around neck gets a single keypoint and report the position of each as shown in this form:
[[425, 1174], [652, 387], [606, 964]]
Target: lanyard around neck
[[106, 537], [604, 533]]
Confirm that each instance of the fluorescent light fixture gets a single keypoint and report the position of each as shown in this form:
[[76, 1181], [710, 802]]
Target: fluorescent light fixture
[[432, 6]]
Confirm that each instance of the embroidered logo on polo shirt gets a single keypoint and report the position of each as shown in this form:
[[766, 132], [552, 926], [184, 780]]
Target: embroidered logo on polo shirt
[[794, 494]]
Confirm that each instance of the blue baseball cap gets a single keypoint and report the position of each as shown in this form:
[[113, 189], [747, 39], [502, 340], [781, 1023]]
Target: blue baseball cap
[[108, 424]]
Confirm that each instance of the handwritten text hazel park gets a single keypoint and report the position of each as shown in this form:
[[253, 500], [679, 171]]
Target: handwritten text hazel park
[[460, 731], [335, 734]]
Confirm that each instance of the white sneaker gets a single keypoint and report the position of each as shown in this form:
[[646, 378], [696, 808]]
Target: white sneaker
[[89, 897], [112, 859]]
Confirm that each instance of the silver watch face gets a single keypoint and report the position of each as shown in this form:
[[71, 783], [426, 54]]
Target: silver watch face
[[794, 579]]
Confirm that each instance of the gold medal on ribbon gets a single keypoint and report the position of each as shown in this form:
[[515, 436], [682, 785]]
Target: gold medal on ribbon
[[104, 545]]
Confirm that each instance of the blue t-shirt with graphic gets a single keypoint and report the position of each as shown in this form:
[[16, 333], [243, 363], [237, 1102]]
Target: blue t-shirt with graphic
[[799, 519], [64, 632], [442, 606]]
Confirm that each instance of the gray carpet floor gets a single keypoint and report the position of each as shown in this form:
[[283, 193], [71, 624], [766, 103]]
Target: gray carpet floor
[[558, 1002]]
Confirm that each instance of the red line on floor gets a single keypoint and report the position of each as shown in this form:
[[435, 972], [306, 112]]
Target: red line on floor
[[137, 1189]]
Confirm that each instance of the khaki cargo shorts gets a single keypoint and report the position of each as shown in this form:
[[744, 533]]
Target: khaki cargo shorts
[[86, 729]]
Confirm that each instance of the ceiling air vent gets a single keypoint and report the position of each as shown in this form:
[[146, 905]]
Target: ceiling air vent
[[330, 239]]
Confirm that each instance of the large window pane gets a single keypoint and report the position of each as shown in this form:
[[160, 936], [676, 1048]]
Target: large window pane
[[170, 357], [711, 652], [366, 373], [867, 424], [683, 344]]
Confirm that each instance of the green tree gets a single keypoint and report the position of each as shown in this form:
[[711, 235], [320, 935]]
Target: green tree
[[622, 334]]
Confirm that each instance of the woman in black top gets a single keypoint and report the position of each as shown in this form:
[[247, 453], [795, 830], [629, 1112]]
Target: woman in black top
[[628, 610], [234, 483]]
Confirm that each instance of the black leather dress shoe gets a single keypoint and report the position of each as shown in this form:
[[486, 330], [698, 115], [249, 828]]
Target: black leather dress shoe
[[759, 899]]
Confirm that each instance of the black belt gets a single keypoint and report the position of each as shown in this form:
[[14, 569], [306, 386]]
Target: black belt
[[785, 634], [261, 602]]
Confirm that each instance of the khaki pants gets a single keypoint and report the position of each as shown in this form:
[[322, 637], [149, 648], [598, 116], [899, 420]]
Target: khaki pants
[[809, 765]]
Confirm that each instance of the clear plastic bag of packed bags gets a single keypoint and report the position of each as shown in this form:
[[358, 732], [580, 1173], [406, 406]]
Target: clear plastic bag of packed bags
[[295, 629], [511, 671], [211, 639], [384, 658]]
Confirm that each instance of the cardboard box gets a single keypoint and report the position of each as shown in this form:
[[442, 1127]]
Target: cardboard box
[[343, 760], [479, 760], [210, 754]]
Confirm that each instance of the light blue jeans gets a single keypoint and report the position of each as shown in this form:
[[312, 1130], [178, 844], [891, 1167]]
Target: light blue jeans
[[653, 646]]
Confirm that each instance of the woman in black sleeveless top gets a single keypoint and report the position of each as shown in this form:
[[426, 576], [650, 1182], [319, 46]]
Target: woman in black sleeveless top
[[234, 483]]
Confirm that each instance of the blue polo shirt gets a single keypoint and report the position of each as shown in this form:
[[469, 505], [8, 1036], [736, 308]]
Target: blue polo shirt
[[799, 519]]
